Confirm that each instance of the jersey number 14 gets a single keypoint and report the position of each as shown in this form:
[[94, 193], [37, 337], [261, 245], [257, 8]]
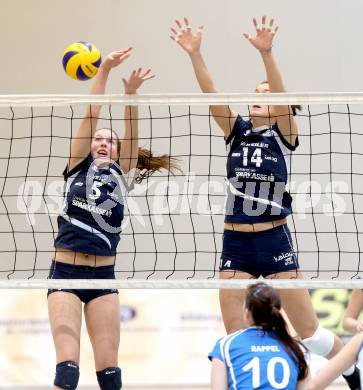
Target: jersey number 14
[[256, 157]]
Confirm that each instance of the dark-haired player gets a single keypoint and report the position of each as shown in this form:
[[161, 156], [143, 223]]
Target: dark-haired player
[[263, 356], [257, 241]]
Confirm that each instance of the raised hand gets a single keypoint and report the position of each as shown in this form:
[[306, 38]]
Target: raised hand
[[184, 36], [264, 34], [116, 58], [136, 79]]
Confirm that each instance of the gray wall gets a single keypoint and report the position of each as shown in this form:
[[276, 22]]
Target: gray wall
[[318, 45]]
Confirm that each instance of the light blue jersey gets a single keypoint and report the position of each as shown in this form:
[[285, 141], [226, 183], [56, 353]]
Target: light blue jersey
[[256, 359]]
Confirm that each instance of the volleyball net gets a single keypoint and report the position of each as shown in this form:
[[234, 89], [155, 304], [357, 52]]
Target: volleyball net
[[172, 230]]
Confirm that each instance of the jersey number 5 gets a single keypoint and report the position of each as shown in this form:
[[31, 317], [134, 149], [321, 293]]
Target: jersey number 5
[[254, 365], [96, 190]]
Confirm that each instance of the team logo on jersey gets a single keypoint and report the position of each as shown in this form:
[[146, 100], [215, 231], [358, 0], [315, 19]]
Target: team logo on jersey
[[269, 133], [227, 264], [287, 257]]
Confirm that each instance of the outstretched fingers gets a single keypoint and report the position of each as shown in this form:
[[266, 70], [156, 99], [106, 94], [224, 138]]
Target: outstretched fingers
[[182, 33], [175, 34], [247, 35], [147, 75], [181, 29], [200, 30], [137, 78], [254, 20], [186, 25], [266, 25], [141, 74], [123, 51], [270, 25], [264, 32]]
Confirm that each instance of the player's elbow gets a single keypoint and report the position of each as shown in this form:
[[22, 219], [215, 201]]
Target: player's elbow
[[345, 324], [349, 324]]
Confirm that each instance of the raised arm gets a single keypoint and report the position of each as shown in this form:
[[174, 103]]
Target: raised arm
[[130, 142], [337, 365], [351, 323], [191, 42], [81, 140], [262, 41]]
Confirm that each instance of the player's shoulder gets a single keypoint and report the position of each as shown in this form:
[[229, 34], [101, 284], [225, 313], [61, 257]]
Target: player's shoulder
[[82, 166], [240, 128], [239, 334], [228, 336]]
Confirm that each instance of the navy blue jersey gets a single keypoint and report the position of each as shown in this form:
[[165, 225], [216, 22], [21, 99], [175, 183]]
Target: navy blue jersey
[[256, 359], [257, 173], [93, 209]]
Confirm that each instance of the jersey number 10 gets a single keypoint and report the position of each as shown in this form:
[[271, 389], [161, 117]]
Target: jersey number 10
[[254, 365]]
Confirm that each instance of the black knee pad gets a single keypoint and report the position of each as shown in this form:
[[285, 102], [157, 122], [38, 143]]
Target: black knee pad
[[109, 378], [67, 375]]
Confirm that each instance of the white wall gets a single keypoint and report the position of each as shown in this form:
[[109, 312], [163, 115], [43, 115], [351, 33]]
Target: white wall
[[318, 45]]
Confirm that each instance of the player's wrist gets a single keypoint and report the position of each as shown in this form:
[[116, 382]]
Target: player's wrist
[[194, 53], [266, 52], [104, 68]]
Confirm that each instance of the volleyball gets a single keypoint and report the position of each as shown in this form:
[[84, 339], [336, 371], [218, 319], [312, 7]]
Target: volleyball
[[81, 60]]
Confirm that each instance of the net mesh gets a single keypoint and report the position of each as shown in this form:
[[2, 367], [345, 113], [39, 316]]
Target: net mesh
[[173, 225]]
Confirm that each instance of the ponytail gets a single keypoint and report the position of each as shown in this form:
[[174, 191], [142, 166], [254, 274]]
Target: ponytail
[[264, 304], [295, 108], [148, 164], [293, 347]]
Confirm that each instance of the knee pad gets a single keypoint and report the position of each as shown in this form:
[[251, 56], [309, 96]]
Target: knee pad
[[109, 378], [67, 375], [321, 342]]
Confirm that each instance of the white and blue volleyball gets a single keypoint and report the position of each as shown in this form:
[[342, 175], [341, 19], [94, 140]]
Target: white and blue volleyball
[[81, 60]]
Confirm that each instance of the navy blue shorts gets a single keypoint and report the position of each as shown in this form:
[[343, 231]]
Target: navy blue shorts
[[259, 253], [59, 270]]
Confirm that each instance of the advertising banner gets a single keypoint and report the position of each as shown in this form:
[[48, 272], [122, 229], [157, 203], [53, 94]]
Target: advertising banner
[[165, 335]]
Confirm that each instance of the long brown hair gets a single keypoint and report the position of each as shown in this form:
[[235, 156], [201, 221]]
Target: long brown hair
[[264, 304], [148, 164]]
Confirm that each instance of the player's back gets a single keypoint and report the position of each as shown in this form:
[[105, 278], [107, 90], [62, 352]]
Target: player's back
[[256, 359]]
